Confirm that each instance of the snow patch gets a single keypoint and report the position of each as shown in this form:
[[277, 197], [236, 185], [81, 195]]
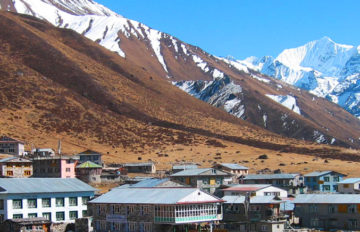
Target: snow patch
[[287, 101], [260, 79]]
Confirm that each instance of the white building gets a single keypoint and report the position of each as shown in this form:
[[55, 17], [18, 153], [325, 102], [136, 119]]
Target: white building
[[255, 190], [350, 185], [56, 199], [11, 146]]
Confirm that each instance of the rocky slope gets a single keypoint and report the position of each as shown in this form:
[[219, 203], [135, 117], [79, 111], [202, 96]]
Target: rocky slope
[[228, 85]]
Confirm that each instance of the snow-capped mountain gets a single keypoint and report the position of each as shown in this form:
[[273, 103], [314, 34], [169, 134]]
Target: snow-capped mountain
[[228, 84], [323, 67]]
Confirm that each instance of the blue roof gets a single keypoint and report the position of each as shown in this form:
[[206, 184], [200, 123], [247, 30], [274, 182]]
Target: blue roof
[[150, 182], [200, 171], [270, 176], [327, 199], [154, 196], [350, 181], [322, 173], [185, 166], [234, 166], [43, 185]]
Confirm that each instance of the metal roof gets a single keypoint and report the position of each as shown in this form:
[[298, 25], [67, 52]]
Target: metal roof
[[350, 181], [327, 199], [247, 187], [200, 171], [15, 159], [253, 200], [138, 164], [152, 196], [88, 164], [150, 182], [322, 173], [43, 185], [184, 166], [234, 166], [270, 176], [89, 152]]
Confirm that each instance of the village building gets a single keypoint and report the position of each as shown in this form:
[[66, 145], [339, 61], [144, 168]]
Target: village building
[[91, 156], [157, 183], [89, 172], [350, 185], [324, 181], [207, 179], [293, 183], [181, 167], [148, 167], [255, 190], [328, 212], [43, 152], [56, 199], [38, 224], [154, 209], [236, 169], [16, 167], [257, 213], [55, 167], [11, 146]]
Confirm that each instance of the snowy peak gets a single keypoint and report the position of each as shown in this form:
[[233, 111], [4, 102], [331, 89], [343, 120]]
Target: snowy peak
[[323, 55]]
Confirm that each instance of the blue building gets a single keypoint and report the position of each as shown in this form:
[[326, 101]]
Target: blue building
[[324, 181]]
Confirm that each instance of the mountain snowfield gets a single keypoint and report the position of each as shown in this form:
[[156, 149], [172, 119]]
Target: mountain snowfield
[[323, 67], [211, 78]]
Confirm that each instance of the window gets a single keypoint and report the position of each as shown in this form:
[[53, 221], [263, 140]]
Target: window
[[336, 179], [85, 200], [1, 204], [352, 209], [11, 150], [27, 173], [132, 226], [314, 222], [84, 213], [73, 215], [59, 202], [47, 216], [326, 179], [32, 203], [2, 218], [332, 208], [264, 228], [313, 208], [73, 201], [346, 185], [46, 202], [16, 216], [32, 215], [352, 223], [130, 209], [326, 187], [335, 187], [17, 204], [60, 216], [9, 173], [67, 169]]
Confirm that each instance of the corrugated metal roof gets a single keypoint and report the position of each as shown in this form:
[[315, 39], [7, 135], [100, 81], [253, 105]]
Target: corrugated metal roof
[[270, 176], [148, 196], [350, 181], [287, 205], [89, 152], [199, 171], [43, 185], [318, 173], [88, 164], [137, 164], [14, 159], [247, 187], [150, 182], [327, 199], [253, 200], [234, 166], [184, 166]]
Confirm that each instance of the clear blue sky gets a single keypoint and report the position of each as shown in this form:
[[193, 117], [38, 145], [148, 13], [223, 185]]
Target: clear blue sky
[[243, 28]]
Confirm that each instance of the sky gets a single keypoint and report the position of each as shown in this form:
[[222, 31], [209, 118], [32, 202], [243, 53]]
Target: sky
[[243, 28]]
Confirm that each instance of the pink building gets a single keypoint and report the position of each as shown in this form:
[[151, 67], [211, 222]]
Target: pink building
[[55, 167]]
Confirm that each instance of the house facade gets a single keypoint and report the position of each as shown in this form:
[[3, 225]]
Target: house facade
[[38, 224], [56, 199], [350, 185], [11, 146], [207, 179], [154, 209], [89, 172], [43, 152], [148, 167], [16, 167], [255, 190], [91, 156], [55, 167], [328, 211], [257, 213], [324, 181], [236, 169]]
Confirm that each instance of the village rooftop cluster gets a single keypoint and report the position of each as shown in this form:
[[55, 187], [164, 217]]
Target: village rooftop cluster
[[44, 191]]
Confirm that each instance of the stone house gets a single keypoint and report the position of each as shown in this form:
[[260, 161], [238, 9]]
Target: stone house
[[89, 172], [16, 167]]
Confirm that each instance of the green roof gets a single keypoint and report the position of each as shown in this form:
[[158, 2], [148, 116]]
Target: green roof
[[88, 164]]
